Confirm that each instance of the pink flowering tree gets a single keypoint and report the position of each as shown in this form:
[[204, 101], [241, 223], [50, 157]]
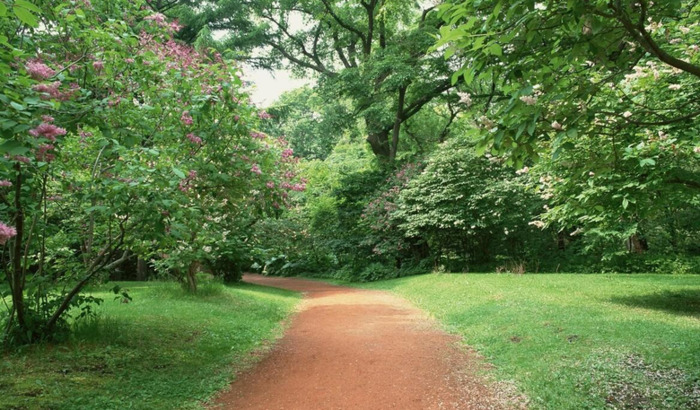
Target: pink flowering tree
[[119, 142], [387, 240]]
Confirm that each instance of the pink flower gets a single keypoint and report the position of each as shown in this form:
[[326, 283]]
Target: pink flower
[[38, 70], [6, 232], [175, 26], [22, 158], [98, 65], [264, 115], [129, 60], [184, 184], [186, 118], [51, 91], [287, 153], [42, 154], [255, 169], [270, 185], [257, 135], [158, 18], [47, 118], [194, 139], [48, 131], [5, 183]]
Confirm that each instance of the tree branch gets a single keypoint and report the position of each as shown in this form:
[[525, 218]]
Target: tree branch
[[342, 23], [642, 36]]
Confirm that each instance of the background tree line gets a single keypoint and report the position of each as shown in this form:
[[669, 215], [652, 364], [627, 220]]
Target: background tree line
[[530, 136]]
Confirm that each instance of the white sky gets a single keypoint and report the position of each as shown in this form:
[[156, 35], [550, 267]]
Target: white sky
[[268, 86]]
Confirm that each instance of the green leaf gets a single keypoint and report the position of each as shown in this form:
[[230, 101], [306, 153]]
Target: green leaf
[[13, 147], [27, 5], [496, 49], [179, 173], [647, 162], [625, 203], [3, 9], [25, 16]]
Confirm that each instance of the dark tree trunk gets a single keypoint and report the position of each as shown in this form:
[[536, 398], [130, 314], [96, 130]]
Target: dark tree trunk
[[141, 269], [17, 281], [636, 244], [191, 276], [397, 124], [379, 141]]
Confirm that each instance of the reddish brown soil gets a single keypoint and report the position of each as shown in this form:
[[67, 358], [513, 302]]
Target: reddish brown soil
[[359, 349]]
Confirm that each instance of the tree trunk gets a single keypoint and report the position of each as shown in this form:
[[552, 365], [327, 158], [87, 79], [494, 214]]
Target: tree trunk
[[191, 276], [636, 244], [141, 270], [397, 124], [379, 141], [17, 281]]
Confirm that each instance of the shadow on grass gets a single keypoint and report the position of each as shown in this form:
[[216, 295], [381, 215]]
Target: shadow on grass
[[261, 289], [681, 302]]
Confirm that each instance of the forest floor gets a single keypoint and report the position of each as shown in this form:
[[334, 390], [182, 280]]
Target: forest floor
[[363, 349]]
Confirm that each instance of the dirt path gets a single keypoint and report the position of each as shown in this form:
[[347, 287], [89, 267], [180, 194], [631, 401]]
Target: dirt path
[[359, 349]]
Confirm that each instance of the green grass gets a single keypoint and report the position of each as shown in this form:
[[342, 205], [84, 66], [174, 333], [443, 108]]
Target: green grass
[[164, 350], [575, 341]]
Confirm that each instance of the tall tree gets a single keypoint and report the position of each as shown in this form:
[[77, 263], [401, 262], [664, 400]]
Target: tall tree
[[375, 53]]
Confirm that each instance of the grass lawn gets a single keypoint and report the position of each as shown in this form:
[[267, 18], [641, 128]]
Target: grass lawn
[[164, 350], [575, 341]]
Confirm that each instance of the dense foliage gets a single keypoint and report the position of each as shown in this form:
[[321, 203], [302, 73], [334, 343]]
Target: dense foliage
[[120, 143], [587, 114], [464, 135]]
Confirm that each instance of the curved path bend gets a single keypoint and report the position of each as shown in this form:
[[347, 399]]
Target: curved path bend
[[359, 349]]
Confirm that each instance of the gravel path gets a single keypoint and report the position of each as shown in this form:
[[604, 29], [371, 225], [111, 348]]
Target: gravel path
[[359, 349]]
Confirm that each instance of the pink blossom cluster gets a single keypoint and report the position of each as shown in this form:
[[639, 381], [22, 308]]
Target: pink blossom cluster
[[22, 158], [270, 185], [43, 154], [264, 115], [287, 153], [179, 56], [38, 70], [255, 168], [47, 130], [98, 65], [378, 211], [52, 91], [5, 183], [6, 232], [161, 21], [257, 135], [158, 18], [299, 187], [186, 183], [186, 118], [194, 139]]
